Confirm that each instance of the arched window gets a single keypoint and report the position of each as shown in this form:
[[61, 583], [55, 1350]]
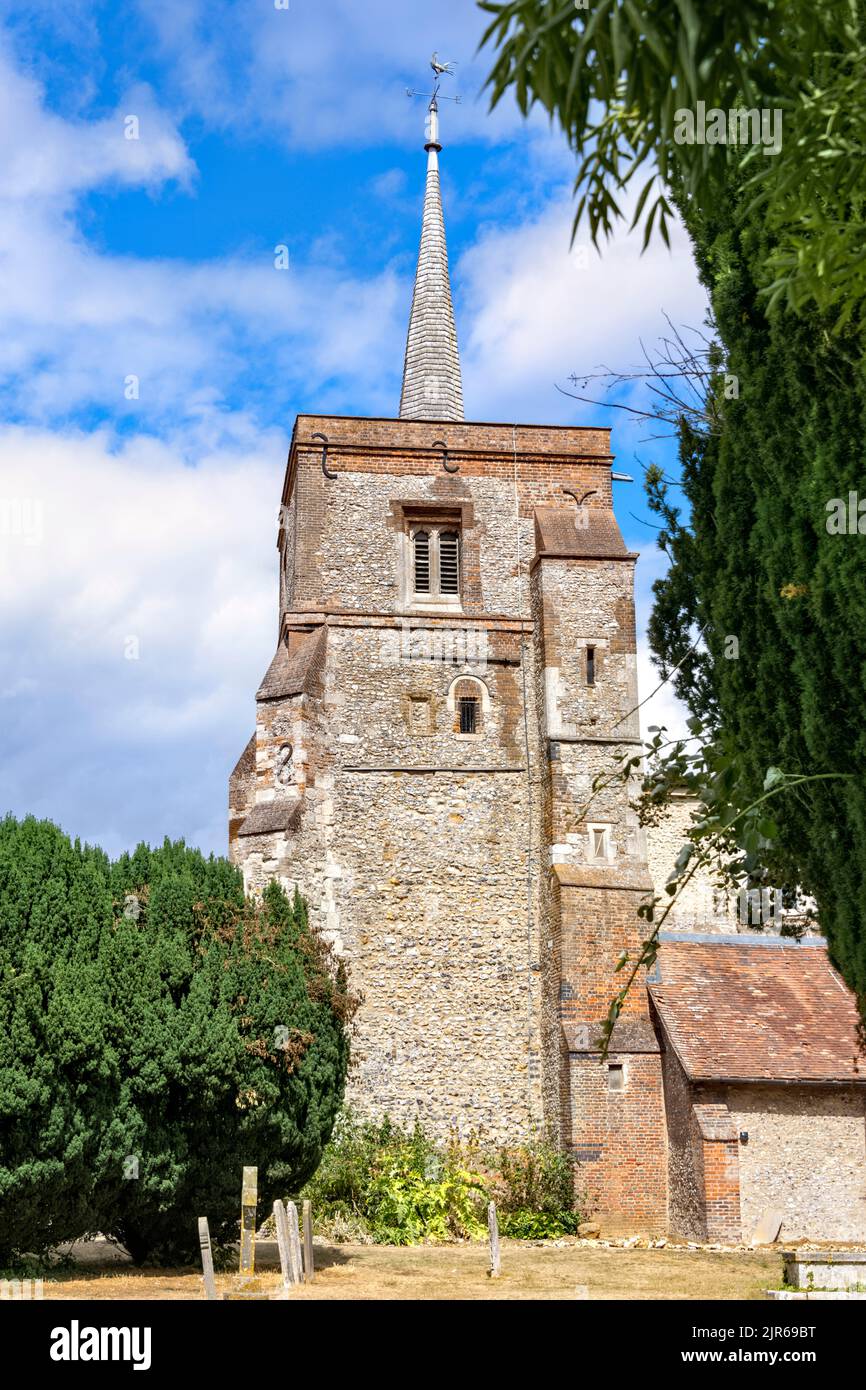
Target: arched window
[[449, 562], [422, 562], [468, 714], [468, 696]]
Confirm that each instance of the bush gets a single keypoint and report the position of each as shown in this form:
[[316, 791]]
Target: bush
[[380, 1183], [534, 1192], [157, 1032]]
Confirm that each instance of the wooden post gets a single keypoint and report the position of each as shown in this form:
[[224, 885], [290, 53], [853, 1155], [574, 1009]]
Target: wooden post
[[249, 1200], [295, 1240], [283, 1242], [493, 1227], [309, 1267], [206, 1257]]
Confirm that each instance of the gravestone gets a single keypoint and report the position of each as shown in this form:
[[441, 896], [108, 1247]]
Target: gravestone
[[206, 1257], [249, 1202]]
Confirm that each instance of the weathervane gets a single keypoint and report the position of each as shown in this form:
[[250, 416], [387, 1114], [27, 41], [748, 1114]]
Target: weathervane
[[440, 70]]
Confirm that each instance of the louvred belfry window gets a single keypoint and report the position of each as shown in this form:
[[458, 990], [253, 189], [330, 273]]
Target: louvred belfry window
[[435, 562], [449, 562], [422, 562]]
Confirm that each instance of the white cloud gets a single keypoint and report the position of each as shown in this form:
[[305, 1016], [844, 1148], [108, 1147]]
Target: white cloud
[[535, 310], [320, 77], [139, 555], [166, 535], [43, 156], [75, 322]]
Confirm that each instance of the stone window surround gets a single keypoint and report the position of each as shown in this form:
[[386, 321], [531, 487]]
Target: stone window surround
[[617, 1078], [593, 828], [415, 702], [411, 514]]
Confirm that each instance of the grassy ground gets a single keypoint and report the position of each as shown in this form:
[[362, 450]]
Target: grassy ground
[[459, 1272]]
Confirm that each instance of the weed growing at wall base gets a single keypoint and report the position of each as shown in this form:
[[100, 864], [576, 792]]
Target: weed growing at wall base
[[380, 1183]]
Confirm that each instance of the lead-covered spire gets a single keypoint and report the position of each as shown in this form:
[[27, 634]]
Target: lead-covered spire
[[432, 384]]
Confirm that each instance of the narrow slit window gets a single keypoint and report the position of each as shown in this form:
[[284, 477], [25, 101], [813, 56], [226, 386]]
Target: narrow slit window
[[598, 842], [449, 562], [422, 562], [590, 665], [468, 715]]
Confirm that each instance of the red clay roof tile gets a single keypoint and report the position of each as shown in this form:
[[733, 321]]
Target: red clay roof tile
[[752, 1010]]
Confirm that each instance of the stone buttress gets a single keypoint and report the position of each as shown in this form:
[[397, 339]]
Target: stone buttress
[[611, 1112]]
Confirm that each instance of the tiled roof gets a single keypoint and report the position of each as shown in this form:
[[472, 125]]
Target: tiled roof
[[749, 1010], [296, 674], [246, 763], [629, 1035], [585, 533], [271, 817]]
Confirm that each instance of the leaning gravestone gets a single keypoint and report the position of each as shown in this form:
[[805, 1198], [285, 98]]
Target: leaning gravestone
[[493, 1228], [284, 1244], [309, 1267], [295, 1241], [206, 1257]]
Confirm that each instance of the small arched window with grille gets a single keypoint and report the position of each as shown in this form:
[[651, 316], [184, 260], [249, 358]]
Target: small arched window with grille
[[468, 706]]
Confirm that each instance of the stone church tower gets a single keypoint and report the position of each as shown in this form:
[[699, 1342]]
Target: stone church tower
[[455, 664]]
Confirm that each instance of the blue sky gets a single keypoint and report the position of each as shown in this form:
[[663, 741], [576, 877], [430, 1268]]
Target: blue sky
[[147, 525]]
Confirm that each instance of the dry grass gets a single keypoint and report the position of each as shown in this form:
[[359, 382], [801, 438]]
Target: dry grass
[[459, 1272]]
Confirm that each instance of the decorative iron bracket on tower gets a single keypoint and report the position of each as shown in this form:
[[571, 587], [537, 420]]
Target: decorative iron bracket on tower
[[446, 464], [325, 469]]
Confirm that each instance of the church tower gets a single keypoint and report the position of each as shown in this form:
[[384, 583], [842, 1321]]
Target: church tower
[[455, 664]]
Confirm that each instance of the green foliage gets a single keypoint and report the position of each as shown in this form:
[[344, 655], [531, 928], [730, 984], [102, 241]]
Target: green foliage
[[757, 561], [615, 73], [409, 1203], [381, 1183], [534, 1191], [395, 1187], [538, 1225], [157, 1032]]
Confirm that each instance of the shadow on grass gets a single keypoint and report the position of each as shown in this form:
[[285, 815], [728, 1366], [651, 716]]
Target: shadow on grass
[[103, 1261]]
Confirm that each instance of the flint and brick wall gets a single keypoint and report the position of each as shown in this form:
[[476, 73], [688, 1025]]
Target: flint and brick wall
[[618, 1135], [703, 1160], [421, 850], [432, 861], [805, 1158]]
